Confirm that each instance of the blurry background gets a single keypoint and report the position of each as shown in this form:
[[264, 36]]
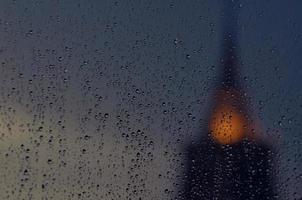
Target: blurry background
[[99, 98]]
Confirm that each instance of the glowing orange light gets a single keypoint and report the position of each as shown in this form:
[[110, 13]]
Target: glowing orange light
[[227, 125]]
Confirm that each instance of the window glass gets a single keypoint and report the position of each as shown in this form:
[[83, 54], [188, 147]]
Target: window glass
[[135, 99]]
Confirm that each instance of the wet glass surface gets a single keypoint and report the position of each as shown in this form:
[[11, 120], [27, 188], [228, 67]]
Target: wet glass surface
[[135, 100]]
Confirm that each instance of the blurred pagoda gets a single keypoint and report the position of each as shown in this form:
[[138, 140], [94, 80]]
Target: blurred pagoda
[[230, 162]]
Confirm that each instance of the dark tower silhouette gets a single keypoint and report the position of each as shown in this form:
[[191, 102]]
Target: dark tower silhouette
[[229, 162]]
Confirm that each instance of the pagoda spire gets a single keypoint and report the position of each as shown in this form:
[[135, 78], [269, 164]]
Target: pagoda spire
[[229, 58], [229, 117]]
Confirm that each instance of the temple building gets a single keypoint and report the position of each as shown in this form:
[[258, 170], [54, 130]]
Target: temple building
[[231, 161]]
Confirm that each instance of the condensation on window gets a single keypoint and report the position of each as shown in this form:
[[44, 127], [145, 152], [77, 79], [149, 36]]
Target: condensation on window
[[112, 100]]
